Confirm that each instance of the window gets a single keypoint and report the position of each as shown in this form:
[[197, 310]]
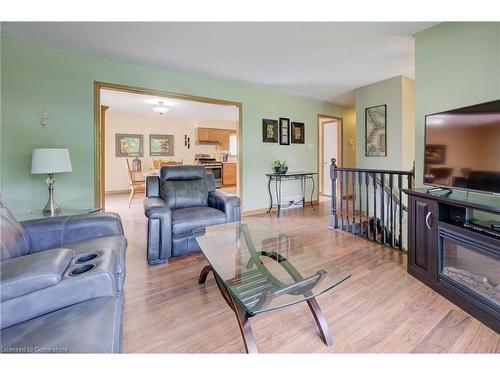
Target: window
[[233, 145]]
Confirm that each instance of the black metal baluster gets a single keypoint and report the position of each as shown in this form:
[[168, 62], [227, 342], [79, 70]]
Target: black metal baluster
[[354, 197], [360, 198], [333, 175], [341, 180], [375, 226], [391, 225], [400, 187], [367, 214], [382, 207], [347, 199], [386, 222]]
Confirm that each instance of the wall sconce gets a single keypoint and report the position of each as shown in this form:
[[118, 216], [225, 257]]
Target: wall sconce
[[44, 116], [187, 141]]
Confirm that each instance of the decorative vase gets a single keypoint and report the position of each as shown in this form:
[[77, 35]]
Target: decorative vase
[[136, 164], [280, 170]]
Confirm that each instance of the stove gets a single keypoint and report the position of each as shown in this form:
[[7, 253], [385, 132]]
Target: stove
[[211, 166]]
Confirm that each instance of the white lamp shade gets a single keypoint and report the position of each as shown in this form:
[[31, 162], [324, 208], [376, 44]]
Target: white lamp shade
[[50, 160]]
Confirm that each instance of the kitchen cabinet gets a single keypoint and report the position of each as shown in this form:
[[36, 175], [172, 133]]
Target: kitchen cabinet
[[223, 137], [202, 134], [215, 136], [228, 174]]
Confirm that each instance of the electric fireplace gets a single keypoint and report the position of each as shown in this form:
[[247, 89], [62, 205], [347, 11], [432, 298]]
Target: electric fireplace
[[471, 266]]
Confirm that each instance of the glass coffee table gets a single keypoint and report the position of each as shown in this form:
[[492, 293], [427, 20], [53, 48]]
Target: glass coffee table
[[258, 269]]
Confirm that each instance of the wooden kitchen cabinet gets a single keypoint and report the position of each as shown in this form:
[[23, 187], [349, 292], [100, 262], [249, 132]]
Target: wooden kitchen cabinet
[[202, 134], [219, 137], [207, 135], [224, 139], [228, 174], [213, 135]]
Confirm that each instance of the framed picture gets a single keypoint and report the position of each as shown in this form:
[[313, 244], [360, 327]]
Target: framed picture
[[376, 131], [161, 145], [435, 154], [269, 131], [284, 131], [127, 145], [298, 135]]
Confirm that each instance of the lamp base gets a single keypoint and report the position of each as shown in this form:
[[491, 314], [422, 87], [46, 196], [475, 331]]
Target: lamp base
[[51, 208], [51, 212]]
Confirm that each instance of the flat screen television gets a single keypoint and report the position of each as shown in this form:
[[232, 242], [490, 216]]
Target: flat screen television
[[462, 148]]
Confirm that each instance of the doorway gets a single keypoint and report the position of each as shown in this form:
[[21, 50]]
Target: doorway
[[136, 110], [329, 147]]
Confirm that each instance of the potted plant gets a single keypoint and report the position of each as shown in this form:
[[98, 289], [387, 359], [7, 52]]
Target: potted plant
[[280, 167]]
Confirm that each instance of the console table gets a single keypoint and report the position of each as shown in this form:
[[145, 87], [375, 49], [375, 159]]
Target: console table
[[278, 178]]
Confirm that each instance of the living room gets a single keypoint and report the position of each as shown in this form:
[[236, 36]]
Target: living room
[[352, 240]]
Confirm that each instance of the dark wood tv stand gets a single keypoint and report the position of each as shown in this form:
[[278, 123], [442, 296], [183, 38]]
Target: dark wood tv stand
[[458, 260]]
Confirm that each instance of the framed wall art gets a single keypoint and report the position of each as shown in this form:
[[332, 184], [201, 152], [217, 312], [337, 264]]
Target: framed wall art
[[127, 145], [376, 131], [269, 131], [284, 125], [298, 135], [161, 145]]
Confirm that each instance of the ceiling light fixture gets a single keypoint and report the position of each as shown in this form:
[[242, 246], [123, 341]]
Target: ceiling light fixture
[[161, 108]]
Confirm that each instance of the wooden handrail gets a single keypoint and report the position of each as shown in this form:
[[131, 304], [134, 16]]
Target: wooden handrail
[[384, 171]]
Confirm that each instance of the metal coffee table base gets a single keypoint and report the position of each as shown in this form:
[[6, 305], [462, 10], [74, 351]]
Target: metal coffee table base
[[243, 316]]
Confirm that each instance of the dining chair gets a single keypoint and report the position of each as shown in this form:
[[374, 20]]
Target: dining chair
[[156, 163], [172, 162], [136, 186]]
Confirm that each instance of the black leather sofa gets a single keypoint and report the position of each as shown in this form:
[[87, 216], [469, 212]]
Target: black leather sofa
[[179, 203], [61, 287]]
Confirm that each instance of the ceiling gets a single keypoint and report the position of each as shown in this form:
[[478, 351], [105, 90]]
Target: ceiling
[[119, 101], [318, 60]]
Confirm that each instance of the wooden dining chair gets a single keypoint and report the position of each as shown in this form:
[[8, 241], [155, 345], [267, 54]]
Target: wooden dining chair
[[156, 163], [172, 162], [136, 186]]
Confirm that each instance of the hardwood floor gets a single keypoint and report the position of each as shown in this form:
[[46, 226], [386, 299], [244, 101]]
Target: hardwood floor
[[380, 309]]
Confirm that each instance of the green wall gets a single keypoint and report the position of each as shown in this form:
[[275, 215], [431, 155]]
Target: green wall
[[35, 76], [397, 94], [456, 65]]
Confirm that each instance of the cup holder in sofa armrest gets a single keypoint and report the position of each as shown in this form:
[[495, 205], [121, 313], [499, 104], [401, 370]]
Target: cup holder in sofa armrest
[[82, 269], [86, 257]]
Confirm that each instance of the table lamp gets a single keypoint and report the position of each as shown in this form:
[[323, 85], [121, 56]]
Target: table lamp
[[50, 161]]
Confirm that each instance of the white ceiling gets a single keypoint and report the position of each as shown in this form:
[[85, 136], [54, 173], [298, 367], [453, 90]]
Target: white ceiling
[[321, 60], [119, 101]]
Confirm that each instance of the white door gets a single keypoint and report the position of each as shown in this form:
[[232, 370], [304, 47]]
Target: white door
[[329, 152]]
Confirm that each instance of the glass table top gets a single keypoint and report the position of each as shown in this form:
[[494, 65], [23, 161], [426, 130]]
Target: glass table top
[[265, 269], [65, 211]]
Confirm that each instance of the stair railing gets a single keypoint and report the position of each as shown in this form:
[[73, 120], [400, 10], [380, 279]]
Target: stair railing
[[369, 203]]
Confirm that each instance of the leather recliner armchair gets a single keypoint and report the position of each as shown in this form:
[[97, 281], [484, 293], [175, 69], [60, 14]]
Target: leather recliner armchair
[[180, 203]]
